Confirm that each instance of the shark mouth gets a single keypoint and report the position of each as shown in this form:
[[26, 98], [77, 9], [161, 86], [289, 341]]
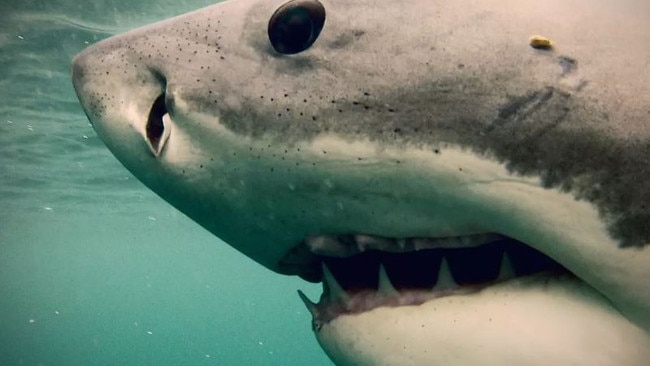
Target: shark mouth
[[363, 272]]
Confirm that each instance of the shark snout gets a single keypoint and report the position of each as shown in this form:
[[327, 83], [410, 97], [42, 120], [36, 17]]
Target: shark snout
[[121, 94], [80, 67]]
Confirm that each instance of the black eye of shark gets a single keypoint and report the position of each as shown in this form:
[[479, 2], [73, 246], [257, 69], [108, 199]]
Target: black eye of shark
[[296, 25], [156, 130]]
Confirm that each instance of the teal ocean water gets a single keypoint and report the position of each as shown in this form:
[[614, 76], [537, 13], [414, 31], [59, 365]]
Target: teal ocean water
[[94, 268]]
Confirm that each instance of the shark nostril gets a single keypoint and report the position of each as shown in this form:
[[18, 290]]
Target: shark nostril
[[155, 129]]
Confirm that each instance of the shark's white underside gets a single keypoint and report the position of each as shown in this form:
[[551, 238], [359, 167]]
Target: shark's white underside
[[548, 321]]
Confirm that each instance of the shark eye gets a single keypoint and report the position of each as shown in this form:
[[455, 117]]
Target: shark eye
[[295, 26]]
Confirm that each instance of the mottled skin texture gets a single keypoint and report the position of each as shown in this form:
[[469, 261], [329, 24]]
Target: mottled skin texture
[[572, 115], [414, 76]]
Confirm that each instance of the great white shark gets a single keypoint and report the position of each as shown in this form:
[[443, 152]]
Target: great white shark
[[468, 178]]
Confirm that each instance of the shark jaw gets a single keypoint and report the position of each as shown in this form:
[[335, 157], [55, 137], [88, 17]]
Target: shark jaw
[[497, 298], [388, 272], [530, 321]]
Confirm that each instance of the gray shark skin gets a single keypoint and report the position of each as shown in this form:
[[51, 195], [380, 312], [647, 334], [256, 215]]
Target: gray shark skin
[[408, 122]]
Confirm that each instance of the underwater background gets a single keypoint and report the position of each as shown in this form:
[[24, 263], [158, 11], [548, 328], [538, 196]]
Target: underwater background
[[94, 268]]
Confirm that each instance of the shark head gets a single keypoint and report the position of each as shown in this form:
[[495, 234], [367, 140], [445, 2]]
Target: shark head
[[469, 180]]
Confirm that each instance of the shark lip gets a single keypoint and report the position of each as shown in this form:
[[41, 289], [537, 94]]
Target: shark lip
[[362, 272]]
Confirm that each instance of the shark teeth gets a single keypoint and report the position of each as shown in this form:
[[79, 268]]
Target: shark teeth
[[365, 242], [374, 278], [335, 291], [313, 310], [445, 279], [348, 245], [327, 244], [506, 271], [308, 303], [385, 287]]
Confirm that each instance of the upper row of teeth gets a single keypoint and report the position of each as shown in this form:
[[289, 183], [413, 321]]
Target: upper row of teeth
[[349, 245]]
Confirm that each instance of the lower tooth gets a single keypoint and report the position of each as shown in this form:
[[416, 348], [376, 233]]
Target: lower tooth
[[506, 271], [336, 292], [385, 287], [445, 279], [308, 303]]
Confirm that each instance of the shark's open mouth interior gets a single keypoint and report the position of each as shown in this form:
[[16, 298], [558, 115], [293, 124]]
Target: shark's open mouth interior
[[361, 272]]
